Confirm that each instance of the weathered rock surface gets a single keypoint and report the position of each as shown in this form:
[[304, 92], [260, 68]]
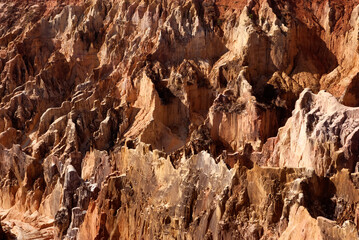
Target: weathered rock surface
[[322, 135], [193, 119]]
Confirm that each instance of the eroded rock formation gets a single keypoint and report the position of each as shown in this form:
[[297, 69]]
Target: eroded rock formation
[[193, 119], [320, 135]]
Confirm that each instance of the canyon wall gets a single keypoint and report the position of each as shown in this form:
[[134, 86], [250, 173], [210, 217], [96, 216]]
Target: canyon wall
[[179, 119]]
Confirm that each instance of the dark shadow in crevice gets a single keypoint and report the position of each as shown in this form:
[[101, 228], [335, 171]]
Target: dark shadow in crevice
[[318, 194]]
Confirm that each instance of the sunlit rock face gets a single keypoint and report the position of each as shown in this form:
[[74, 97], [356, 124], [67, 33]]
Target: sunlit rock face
[[321, 134], [193, 119]]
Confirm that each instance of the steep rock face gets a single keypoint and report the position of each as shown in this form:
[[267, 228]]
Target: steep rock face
[[321, 228], [320, 135], [148, 119], [175, 204], [237, 119], [216, 203]]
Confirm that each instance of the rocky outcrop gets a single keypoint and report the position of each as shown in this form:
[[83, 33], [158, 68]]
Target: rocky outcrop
[[192, 119], [176, 205], [216, 202], [321, 135], [237, 119], [321, 228]]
